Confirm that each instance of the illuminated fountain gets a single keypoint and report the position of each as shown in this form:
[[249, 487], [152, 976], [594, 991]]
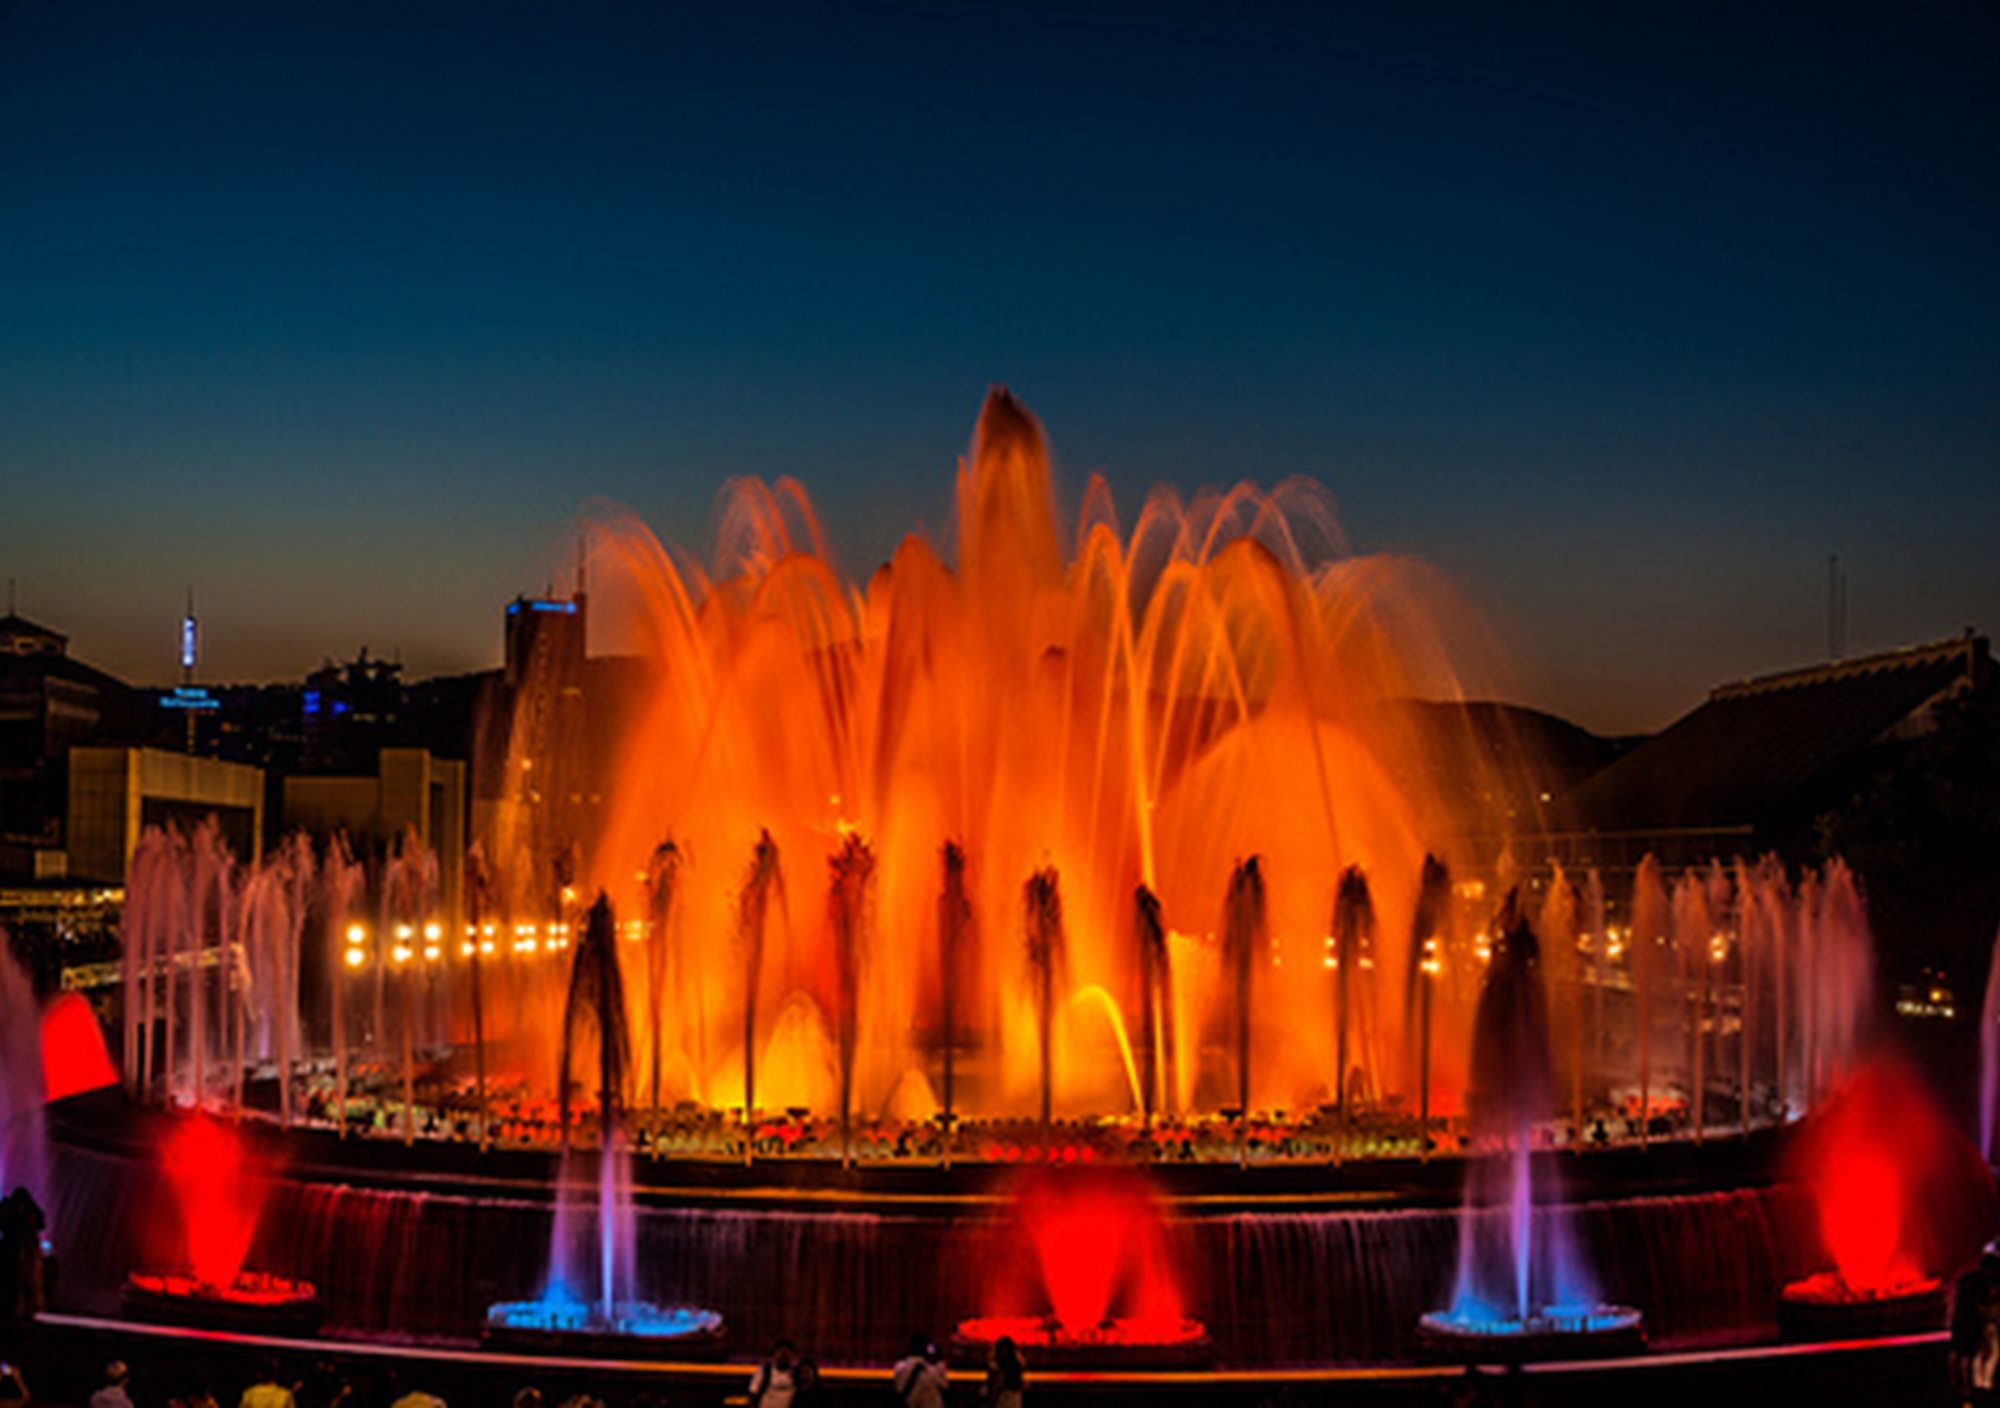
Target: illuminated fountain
[[1900, 1200], [1082, 1276], [219, 1198], [1131, 845], [591, 1300], [1117, 722], [22, 1152], [1522, 1290], [1218, 680]]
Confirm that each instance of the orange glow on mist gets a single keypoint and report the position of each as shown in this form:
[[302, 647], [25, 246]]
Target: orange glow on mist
[[1150, 706]]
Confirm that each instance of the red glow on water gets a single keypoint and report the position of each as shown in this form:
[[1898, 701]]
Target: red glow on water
[[73, 1056], [218, 1198], [1900, 1194], [252, 1288], [1096, 1253], [1029, 1332]]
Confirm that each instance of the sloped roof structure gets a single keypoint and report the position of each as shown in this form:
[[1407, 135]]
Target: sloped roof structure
[[1754, 747]]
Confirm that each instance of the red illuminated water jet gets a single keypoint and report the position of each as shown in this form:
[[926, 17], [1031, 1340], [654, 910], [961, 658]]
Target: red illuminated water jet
[[1901, 1199], [1084, 1275], [73, 1055], [219, 1196]]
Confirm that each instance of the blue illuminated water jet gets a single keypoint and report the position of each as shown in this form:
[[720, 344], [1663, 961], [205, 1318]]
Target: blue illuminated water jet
[[1520, 1281], [591, 1296], [635, 1319]]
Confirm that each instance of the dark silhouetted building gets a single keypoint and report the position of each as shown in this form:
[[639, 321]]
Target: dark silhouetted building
[[1751, 768], [350, 712], [49, 702]]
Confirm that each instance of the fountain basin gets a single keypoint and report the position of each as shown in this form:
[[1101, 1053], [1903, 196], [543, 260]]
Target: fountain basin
[[256, 1302], [1152, 1343], [1593, 1332], [1825, 1307], [632, 1329]]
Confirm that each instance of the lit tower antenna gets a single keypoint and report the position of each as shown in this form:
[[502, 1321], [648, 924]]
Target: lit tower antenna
[[190, 653]]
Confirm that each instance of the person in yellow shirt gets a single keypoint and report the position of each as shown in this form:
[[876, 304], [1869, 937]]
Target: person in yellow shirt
[[267, 1392], [417, 1398]]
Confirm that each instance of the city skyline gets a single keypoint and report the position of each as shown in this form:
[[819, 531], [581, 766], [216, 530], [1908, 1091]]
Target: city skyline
[[1622, 322]]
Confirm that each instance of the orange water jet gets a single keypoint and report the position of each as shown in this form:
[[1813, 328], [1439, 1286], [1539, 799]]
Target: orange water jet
[[1147, 709]]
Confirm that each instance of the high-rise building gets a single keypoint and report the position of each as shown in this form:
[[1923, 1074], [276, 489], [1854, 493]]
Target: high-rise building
[[545, 639], [540, 807]]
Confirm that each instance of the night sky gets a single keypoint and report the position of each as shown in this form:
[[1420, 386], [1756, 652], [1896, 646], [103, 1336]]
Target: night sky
[[1624, 316]]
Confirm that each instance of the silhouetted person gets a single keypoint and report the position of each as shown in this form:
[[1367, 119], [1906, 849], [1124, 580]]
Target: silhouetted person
[[773, 1385], [112, 1394], [919, 1376], [1975, 1332], [807, 1389], [418, 1398], [194, 1392], [325, 1386], [1006, 1375], [266, 1391], [21, 1226]]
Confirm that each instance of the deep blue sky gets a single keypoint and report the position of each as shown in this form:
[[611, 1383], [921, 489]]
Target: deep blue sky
[[1624, 316]]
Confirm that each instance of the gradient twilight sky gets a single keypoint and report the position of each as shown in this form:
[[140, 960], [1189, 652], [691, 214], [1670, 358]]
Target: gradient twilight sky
[[1623, 315]]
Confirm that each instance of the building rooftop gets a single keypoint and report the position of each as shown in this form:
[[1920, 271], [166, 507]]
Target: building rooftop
[[20, 636], [1755, 746]]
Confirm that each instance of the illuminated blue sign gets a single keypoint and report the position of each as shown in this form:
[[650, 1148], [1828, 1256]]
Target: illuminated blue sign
[[561, 608], [189, 697], [187, 642]]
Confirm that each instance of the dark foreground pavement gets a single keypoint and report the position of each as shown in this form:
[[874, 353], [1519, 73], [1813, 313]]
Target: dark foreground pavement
[[63, 1356]]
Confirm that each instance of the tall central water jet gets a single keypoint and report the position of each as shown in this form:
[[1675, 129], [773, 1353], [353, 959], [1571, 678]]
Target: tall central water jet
[[1521, 1288]]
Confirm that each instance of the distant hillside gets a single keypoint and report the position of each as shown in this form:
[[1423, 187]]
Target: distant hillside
[[1529, 755]]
